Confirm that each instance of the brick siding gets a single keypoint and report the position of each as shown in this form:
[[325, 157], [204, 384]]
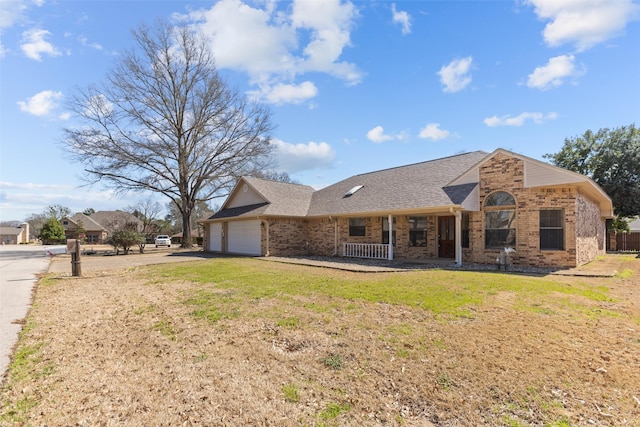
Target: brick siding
[[584, 229]]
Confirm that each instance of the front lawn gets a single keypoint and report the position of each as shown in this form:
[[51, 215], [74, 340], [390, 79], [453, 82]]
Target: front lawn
[[238, 341]]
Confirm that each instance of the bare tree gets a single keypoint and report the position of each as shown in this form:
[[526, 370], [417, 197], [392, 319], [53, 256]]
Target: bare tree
[[200, 211], [146, 211], [166, 121], [273, 175]]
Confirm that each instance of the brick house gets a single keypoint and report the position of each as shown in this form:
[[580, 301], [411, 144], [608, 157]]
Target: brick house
[[466, 208], [97, 227]]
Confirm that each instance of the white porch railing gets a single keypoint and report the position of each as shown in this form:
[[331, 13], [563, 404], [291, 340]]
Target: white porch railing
[[365, 250]]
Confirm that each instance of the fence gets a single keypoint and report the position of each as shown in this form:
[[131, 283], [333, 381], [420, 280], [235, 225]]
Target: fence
[[365, 250], [628, 241]]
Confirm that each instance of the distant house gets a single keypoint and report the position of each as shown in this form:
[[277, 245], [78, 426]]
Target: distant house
[[466, 208], [15, 235], [97, 227], [195, 238]]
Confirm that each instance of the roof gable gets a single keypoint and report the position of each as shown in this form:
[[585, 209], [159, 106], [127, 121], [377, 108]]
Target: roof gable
[[104, 220], [87, 223], [541, 174], [255, 196]]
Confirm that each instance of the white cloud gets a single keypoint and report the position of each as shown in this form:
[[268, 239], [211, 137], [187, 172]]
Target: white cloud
[[11, 12], [276, 46], [554, 72], [285, 93], [520, 119], [85, 42], [402, 18], [19, 200], [292, 158], [584, 23], [432, 131], [34, 44], [377, 135], [41, 104], [455, 75]]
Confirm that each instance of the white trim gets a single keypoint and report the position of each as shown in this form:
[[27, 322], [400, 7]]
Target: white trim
[[458, 236]]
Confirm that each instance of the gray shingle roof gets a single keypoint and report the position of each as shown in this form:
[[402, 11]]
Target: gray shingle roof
[[285, 199], [88, 223], [414, 186], [240, 211], [458, 193], [10, 231]]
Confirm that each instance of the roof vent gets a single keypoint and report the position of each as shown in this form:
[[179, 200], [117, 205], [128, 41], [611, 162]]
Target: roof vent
[[352, 191]]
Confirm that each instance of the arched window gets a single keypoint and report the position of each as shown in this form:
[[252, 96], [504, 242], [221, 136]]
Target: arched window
[[499, 221]]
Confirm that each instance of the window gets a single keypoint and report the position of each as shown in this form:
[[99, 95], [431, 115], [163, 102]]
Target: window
[[499, 221], [357, 227], [385, 231], [552, 229], [91, 238], [417, 231], [465, 229]]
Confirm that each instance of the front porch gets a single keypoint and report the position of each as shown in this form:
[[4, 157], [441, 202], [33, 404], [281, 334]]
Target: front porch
[[414, 238]]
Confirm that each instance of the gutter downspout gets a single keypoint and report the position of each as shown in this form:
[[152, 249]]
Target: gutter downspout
[[458, 236], [335, 235], [264, 221]]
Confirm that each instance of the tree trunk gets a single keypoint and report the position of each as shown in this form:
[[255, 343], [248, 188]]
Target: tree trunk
[[186, 229]]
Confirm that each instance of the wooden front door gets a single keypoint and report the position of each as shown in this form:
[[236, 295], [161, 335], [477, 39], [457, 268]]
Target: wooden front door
[[446, 237]]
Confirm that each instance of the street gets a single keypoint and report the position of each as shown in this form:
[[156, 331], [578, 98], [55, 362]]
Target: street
[[19, 265]]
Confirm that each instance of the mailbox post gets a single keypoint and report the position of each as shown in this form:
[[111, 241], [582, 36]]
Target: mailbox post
[[73, 246]]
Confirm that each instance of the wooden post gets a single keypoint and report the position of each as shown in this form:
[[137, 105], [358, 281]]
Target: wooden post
[[76, 265]]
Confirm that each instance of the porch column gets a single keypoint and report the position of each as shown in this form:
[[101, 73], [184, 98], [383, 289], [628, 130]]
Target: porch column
[[458, 237], [390, 256]]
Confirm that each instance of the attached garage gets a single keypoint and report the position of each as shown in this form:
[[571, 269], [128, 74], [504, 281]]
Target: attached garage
[[244, 237], [215, 237]]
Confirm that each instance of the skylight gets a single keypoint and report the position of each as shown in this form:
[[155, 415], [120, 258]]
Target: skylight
[[352, 191]]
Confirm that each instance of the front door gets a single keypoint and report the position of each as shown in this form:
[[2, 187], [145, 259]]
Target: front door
[[446, 237]]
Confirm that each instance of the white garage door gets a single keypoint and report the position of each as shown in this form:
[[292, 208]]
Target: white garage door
[[215, 237], [244, 237]]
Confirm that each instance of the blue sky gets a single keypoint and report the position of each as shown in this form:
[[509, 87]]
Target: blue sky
[[354, 86]]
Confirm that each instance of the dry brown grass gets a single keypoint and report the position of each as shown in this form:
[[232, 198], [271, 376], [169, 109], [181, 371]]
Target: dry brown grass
[[127, 347]]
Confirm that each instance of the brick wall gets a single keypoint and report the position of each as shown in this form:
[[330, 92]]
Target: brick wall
[[583, 228], [287, 237], [322, 236]]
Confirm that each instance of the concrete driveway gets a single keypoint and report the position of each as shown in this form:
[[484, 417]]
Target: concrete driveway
[[19, 265]]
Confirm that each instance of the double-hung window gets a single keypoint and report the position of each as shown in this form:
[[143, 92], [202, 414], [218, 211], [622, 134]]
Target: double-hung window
[[499, 221], [552, 229], [357, 227], [417, 231]]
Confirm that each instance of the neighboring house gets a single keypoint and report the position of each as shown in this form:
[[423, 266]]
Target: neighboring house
[[97, 227], [466, 208], [15, 235], [195, 238]]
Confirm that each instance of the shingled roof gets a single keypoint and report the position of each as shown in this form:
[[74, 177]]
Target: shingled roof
[[280, 199], [416, 186]]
